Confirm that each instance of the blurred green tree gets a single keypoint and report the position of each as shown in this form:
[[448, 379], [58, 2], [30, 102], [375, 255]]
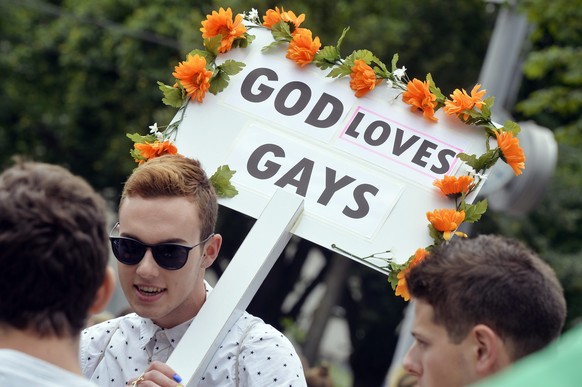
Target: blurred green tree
[[83, 73]]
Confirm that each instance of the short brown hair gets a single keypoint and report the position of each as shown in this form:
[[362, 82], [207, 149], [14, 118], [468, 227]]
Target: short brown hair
[[53, 249], [496, 281], [175, 175]]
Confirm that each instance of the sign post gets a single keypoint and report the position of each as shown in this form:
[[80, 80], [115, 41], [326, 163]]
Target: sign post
[[237, 286]]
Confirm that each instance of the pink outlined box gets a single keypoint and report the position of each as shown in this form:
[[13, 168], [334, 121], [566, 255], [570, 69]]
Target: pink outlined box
[[388, 155]]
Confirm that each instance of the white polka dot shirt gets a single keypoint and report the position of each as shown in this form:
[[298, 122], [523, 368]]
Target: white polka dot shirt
[[252, 353]]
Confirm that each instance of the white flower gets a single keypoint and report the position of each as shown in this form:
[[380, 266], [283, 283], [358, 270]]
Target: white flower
[[252, 16], [155, 131], [389, 83], [399, 73], [474, 173]]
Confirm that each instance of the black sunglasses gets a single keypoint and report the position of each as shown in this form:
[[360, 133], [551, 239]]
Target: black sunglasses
[[169, 256]]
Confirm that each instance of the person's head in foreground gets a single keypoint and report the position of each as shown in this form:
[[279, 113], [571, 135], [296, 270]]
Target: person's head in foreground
[[168, 205], [480, 305], [54, 255]]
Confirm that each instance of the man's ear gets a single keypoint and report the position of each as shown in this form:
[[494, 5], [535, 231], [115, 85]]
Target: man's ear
[[491, 352], [105, 292], [211, 249]]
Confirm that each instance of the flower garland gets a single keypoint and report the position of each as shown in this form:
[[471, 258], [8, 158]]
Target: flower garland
[[200, 74]]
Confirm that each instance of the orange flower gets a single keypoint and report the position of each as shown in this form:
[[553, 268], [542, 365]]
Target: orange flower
[[419, 96], [150, 150], [193, 76], [462, 102], [419, 256], [511, 152], [446, 221], [454, 187], [302, 48], [363, 78], [402, 287], [221, 23], [273, 17]]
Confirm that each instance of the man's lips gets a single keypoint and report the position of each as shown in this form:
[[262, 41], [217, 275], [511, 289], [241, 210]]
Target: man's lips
[[149, 290]]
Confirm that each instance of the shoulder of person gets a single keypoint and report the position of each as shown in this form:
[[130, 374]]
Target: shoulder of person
[[256, 332], [95, 338], [108, 327], [264, 352]]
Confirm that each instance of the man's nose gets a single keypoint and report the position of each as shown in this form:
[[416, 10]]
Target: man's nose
[[147, 267], [410, 364]]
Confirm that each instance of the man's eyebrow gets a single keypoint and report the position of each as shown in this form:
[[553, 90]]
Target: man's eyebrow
[[179, 241]]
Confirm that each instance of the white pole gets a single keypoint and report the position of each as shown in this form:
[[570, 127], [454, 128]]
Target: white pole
[[237, 286]]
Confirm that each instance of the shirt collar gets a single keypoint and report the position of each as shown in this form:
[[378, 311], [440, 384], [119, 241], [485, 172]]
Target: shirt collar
[[148, 328]]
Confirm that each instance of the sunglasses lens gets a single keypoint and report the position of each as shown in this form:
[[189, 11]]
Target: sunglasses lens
[[127, 251], [167, 255], [171, 257]]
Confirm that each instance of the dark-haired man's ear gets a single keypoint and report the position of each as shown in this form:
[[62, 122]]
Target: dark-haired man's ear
[[491, 352], [105, 292], [211, 249]]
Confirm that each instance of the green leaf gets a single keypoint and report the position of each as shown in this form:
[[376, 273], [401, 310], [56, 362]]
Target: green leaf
[[487, 105], [394, 62], [208, 56], [365, 55], [221, 182], [394, 269], [487, 159], [340, 71], [243, 41], [136, 155], [272, 45], [139, 139], [231, 67], [510, 126], [484, 162], [172, 95], [327, 57], [218, 82], [470, 160], [380, 69], [474, 114], [473, 212], [341, 39], [282, 32], [213, 44], [436, 235], [249, 38], [433, 89], [346, 67]]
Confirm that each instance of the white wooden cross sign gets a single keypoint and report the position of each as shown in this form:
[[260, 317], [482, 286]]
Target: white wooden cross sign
[[313, 160]]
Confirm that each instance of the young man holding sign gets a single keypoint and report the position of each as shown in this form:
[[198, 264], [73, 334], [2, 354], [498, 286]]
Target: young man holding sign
[[480, 305], [164, 243]]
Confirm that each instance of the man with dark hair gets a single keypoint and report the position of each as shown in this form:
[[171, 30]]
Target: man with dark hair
[[480, 304], [164, 242], [54, 255]]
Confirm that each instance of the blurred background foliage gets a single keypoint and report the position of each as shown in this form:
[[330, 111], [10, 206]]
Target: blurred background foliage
[[76, 75]]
